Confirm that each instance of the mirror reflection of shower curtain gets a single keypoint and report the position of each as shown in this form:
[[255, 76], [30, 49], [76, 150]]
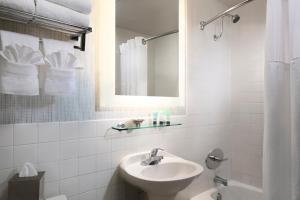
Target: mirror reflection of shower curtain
[[282, 102], [133, 67]]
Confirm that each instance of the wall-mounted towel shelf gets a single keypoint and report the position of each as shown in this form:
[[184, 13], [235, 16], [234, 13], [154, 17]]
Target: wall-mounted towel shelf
[[75, 32]]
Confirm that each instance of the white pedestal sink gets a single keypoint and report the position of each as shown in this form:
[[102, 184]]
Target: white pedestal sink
[[162, 181]]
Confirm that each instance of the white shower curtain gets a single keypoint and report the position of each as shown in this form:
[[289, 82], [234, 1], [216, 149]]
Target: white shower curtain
[[133, 67], [282, 105]]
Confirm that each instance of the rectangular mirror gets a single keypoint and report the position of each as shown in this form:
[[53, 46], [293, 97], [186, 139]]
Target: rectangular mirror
[[147, 48]]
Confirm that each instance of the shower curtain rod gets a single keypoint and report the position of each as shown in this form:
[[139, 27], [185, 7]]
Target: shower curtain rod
[[226, 12], [159, 36]]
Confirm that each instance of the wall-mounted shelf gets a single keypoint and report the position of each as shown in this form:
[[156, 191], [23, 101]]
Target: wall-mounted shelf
[[74, 31], [144, 127]]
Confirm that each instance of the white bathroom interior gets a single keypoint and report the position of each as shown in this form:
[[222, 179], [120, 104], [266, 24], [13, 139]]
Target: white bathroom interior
[[147, 99]]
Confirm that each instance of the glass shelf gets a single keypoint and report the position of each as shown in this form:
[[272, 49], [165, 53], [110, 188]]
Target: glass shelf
[[144, 127]]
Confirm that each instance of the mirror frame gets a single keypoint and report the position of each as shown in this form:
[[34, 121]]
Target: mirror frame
[[106, 100]]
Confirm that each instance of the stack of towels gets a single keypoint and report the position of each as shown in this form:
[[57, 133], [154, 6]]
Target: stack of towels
[[25, 70], [75, 12]]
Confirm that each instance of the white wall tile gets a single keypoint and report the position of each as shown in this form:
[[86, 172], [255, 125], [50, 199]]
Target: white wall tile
[[6, 135], [25, 153], [25, 134], [103, 178], [6, 157], [75, 197], [87, 165], [48, 152], [69, 130], [48, 132], [5, 175], [247, 94], [103, 145], [52, 171], [90, 195], [103, 126], [87, 129], [104, 161], [69, 149], [68, 168], [88, 182], [69, 186], [51, 189], [87, 147]]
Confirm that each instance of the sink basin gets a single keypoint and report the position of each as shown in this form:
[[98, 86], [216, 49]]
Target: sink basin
[[162, 181]]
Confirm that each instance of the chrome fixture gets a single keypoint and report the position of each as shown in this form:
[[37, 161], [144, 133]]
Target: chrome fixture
[[220, 180], [153, 158], [215, 158], [159, 36], [219, 196], [235, 18], [226, 12]]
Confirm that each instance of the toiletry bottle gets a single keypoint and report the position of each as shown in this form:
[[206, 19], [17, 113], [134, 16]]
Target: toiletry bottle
[[168, 117], [162, 118], [154, 118]]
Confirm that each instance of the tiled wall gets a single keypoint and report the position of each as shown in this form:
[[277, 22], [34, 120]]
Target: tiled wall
[[81, 158], [248, 45]]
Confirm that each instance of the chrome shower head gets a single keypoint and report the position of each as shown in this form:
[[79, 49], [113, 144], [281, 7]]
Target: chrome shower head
[[235, 18]]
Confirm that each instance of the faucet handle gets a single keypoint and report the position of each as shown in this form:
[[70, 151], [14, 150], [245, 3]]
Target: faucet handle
[[155, 151], [218, 159]]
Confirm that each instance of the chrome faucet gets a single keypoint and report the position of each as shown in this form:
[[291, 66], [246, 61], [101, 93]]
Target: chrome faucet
[[220, 180], [153, 158]]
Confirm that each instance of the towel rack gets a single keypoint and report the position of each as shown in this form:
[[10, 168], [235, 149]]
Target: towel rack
[[75, 32]]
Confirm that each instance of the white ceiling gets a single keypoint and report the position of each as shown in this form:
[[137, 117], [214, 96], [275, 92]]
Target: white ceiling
[[150, 17], [231, 2]]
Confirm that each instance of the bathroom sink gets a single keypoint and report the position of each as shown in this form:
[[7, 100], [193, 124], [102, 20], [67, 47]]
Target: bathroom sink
[[162, 181]]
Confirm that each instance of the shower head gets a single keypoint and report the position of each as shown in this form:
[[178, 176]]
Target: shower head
[[235, 18]]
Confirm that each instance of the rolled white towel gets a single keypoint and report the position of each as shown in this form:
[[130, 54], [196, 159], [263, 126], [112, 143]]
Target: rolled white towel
[[22, 5], [9, 38], [82, 6], [54, 11]]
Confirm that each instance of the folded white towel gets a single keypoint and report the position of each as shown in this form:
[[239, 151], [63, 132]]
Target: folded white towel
[[62, 60], [18, 70], [54, 11], [50, 46], [22, 54], [13, 81], [58, 82], [82, 6], [9, 38], [58, 76], [22, 5]]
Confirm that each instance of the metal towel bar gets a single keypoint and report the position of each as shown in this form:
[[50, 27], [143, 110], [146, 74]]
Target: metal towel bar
[[74, 31]]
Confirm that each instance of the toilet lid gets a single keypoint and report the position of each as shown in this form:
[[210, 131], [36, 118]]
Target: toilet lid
[[61, 197]]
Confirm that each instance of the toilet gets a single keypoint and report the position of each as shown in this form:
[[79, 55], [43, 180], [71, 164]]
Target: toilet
[[61, 197]]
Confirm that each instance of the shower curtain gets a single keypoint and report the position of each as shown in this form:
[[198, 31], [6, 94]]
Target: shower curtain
[[282, 102], [133, 67]]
